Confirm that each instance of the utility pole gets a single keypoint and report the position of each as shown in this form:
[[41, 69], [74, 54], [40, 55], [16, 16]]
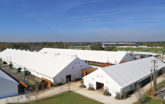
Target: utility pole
[[151, 80], [154, 77]]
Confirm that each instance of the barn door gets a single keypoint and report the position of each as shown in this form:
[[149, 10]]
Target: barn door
[[68, 78], [99, 86]]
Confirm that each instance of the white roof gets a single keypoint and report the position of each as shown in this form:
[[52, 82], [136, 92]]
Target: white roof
[[127, 73], [48, 65], [6, 77], [112, 57]]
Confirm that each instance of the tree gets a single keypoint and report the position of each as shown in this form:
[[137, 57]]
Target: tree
[[163, 51], [96, 46], [3, 46]]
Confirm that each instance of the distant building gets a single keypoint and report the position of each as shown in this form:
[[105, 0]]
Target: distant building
[[118, 44], [8, 86]]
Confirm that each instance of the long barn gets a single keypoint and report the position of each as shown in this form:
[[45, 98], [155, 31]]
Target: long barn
[[123, 78], [101, 58], [56, 68]]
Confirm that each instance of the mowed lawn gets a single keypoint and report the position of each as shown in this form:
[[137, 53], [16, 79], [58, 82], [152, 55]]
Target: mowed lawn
[[67, 98]]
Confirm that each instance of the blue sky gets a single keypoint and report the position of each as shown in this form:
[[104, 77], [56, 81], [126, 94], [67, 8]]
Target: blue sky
[[82, 20]]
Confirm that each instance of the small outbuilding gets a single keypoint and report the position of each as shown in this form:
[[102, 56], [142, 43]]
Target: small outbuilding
[[8, 86], [123, 78]]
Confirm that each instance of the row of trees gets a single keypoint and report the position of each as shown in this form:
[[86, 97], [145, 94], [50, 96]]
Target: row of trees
[[39, 45], [32, 46], [153, 44], [93, 45]]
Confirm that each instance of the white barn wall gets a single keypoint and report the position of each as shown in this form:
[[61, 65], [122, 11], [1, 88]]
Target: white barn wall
[[75, 72], [102, 77]]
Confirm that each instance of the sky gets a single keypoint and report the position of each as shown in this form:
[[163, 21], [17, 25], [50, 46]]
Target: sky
[[82, 20]]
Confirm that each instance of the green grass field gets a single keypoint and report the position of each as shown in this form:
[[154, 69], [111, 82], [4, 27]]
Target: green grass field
[[67, 98], [154, 102], [155, 50]]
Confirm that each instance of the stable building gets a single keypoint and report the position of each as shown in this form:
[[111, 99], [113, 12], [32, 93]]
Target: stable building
[[8, 86], [120, 44], [56, 68], [139, 55], [123, 78], [93, 57]]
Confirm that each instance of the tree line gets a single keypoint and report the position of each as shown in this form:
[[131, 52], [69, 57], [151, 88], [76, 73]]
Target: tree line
[[93, 45], [33, 46], [153, 44]]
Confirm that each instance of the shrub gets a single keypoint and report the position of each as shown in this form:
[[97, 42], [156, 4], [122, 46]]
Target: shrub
[[118, 96], [91, 87], [106, 92], [82, 86], [82, 82], [125, 95], [10, 65]]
